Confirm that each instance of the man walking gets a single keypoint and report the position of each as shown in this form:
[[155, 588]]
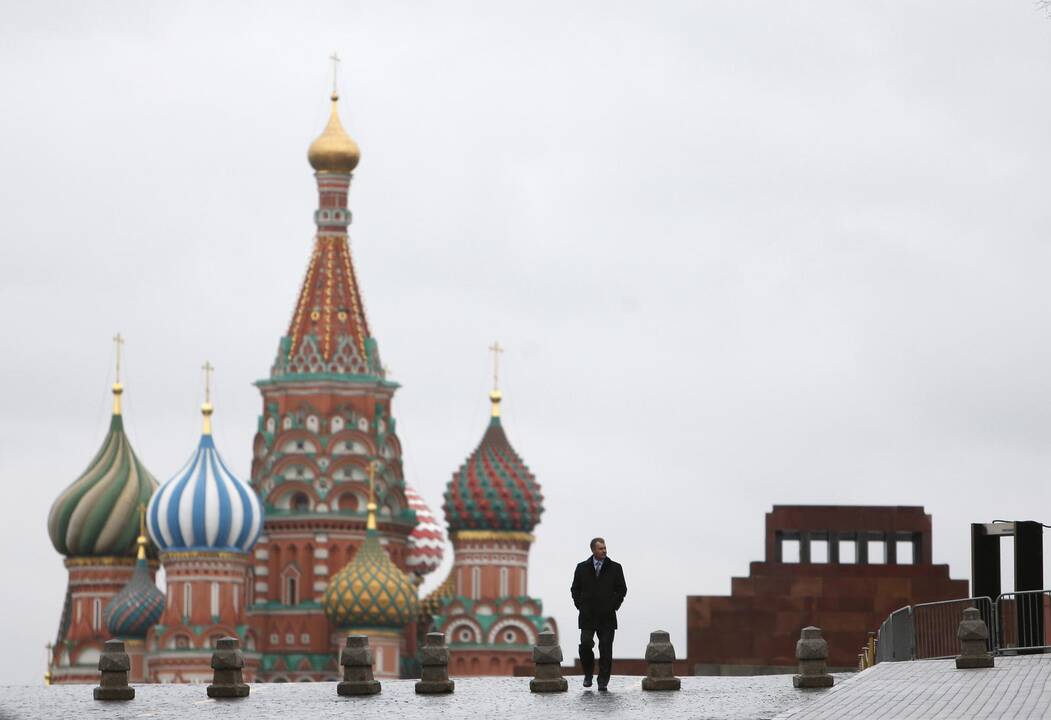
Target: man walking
[[598, 590]]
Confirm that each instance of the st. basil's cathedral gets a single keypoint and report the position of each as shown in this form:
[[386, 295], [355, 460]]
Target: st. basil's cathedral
[[325, 538]]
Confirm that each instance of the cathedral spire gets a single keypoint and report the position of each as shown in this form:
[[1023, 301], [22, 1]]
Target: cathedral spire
[[328, 336]]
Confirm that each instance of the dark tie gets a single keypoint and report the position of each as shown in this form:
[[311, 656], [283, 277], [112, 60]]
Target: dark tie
[[598, 568]]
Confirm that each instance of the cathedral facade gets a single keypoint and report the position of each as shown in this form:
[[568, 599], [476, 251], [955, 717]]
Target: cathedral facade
[[323, 539]]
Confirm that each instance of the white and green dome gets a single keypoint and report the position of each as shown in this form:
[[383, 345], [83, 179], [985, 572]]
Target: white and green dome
[[98, 515]]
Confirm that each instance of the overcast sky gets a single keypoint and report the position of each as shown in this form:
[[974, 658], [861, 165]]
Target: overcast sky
[[740, 254]]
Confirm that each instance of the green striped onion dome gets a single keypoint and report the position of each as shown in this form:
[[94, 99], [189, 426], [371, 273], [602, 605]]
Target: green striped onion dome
[[370, 591], [98, 515]]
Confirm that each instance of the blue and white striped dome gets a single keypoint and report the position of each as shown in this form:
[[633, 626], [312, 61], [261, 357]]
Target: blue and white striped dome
[[205, 507]]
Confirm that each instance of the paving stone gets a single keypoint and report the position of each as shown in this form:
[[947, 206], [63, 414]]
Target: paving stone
[[1018, 687]]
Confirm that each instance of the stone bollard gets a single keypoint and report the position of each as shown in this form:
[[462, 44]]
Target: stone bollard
[[973, 635], [547, 656], [228, 664], [357, 668], [114, 665], [812, 653], [434, 659], [660, 663]]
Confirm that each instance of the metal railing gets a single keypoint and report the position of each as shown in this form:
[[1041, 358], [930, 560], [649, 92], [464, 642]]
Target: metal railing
[[1024, 621], [896, 639], [1019, 623], [937, 623], [928, 630]]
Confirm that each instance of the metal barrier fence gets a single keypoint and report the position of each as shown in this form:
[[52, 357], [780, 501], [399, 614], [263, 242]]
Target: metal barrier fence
[[928, 630], [896, 639], [937, 623], [1024, 621]]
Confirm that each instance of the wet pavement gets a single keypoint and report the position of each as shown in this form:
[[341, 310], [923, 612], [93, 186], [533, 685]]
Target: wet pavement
[[1018, 687], [725, 698]]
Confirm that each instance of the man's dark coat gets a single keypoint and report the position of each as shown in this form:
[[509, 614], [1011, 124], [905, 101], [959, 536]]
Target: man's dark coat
[[598, 597]]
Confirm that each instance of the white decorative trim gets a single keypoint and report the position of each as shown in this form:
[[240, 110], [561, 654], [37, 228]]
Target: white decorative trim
[[321, 569], [262, 554], [262, 570], [320, 586], [451, 630], [494, 631], [321, 553], [261, 587]]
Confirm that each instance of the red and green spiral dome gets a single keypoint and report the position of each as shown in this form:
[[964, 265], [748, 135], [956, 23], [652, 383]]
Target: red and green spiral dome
[[494, 489]]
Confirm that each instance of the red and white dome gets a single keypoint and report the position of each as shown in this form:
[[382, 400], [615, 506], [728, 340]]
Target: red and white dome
[[427, 540]]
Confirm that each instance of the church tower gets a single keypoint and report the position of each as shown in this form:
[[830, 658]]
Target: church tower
[[94, 524], [205, 521], [492, 505], [326, 419]]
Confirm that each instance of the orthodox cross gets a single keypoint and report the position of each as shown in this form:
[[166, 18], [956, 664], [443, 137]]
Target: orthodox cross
[[495, 349], [334, 57], [118, 340], [208, 370]]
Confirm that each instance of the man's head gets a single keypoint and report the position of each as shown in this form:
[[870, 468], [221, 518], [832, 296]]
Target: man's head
[[598, 548]]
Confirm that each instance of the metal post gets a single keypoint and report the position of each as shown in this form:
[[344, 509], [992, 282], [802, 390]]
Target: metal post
[[985, 567], [1029, 575]]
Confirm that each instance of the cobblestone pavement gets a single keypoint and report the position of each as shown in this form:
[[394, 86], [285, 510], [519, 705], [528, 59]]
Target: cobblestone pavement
[[1018, 687], [701, 698]]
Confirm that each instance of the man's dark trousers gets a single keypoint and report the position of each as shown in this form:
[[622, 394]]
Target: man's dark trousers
[[605, 652], [598, 597]]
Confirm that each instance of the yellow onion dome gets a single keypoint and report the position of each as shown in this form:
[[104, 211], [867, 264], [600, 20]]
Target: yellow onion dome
[[370, 591], [334, 151]]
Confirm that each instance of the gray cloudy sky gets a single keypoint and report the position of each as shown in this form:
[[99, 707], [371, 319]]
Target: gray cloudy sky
[[739, 253]]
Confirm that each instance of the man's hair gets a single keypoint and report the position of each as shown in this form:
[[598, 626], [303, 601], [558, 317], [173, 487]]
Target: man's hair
[[597, 540]]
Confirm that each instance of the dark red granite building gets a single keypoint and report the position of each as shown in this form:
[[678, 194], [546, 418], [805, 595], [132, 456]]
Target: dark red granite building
[[842, 568]]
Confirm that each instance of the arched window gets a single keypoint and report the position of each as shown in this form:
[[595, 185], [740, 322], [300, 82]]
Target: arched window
[[522, 583], [504, 578], [187, 600], [476, 583], [96, 615], [300, 502], [290, 586], [215, 599], [379, 659]]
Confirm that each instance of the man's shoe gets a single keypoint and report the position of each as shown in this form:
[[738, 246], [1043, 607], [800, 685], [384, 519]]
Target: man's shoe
[[587, 681], [602, 685]]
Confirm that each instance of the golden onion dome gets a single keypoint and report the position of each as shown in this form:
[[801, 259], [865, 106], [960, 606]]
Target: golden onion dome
[[370, 591], [334, 151]]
